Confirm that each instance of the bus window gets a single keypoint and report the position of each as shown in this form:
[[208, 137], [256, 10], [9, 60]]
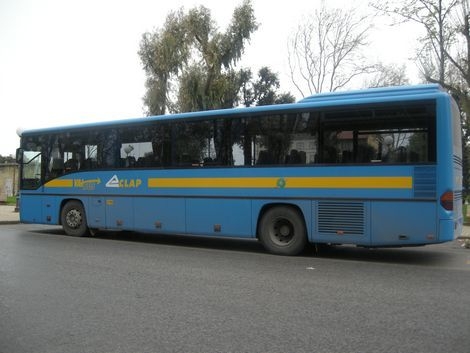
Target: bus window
[[108, 149], [384, 135], [195, 142], [136, 148], [91, 157], [31, 177], [285, 139]]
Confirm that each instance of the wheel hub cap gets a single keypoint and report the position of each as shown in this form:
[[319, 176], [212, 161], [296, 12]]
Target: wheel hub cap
[[74, 219]]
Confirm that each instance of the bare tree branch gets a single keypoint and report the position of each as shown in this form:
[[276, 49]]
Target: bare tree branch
[[325, 51]]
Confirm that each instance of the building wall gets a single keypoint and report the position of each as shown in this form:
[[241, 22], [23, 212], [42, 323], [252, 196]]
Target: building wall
[[8, 180]]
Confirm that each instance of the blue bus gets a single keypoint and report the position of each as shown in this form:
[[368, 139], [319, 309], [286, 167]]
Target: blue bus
[[376, 168]]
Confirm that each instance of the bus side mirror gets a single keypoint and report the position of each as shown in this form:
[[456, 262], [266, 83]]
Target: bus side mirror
[[19, 155]]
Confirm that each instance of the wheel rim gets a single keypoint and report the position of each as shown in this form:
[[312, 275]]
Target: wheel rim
[[74, 219], [282, 232]]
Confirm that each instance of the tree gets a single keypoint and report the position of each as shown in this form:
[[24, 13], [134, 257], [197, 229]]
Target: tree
[[7, 159], [437, 19], [388, 75], [263, 90], [190, 65], [325, 52], [443, 56]]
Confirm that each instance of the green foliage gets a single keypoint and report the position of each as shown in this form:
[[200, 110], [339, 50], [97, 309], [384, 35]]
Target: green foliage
[[11, 200], [7, 159], [190, 64], [263, 90]]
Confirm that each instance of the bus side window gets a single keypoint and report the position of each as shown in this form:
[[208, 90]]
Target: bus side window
[[329, 154], [109, 149], [71, 165], [57, 167], [296, 157], [365, 153]]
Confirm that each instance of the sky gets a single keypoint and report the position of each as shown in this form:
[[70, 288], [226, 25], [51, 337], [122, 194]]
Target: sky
[[74, 61]]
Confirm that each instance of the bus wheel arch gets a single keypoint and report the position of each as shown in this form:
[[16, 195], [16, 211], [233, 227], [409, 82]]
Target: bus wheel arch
[[73, 218], [281, 229]]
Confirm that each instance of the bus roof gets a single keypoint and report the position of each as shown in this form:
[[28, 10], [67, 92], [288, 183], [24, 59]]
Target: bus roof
[[393, 91], [371, 95]]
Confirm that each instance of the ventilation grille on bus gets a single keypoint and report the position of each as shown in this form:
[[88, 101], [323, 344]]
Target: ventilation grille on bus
[[340, 217], [424, 182]]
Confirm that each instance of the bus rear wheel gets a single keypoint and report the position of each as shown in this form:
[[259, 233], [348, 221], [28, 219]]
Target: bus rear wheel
[[73, 219], [282, 231]]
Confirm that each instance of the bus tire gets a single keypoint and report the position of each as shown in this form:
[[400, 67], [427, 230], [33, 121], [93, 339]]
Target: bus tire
[[73, 219], [282, 231]]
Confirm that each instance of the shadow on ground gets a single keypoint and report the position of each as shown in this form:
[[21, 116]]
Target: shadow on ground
[[424, 255]]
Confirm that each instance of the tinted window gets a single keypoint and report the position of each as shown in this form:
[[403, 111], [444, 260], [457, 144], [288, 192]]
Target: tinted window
[[391, 133]]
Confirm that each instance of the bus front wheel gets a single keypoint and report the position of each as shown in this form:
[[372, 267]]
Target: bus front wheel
[[282, 231], [73, 219]]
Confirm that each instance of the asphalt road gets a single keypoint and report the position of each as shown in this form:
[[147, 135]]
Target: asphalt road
[[124, 292]]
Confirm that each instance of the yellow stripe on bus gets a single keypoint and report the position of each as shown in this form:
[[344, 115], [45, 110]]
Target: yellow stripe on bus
[[212, 182], [59, 183], [400, 182], [363, 182], [351, 182]]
